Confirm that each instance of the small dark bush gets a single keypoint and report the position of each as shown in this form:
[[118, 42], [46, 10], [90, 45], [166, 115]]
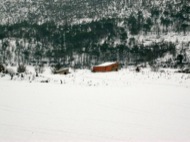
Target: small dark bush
[[21, 69], [2, 68], [39, 69], [155, 68], [137, 69]]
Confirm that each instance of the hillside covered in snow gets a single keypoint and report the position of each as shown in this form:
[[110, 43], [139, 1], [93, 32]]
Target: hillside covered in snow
[[82, 33]]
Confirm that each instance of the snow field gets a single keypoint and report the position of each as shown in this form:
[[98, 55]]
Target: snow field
[[121, 106]]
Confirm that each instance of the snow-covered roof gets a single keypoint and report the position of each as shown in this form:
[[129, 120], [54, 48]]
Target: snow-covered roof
[[106, 64], [63, 70]]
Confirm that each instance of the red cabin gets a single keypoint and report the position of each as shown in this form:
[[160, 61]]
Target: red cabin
[[106, 67]]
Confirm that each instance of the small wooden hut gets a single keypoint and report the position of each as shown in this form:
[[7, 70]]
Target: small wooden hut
[[106, 67], [62, 71]]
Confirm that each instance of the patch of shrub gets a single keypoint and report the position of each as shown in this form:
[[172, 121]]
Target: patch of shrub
[[138, 69], [39, 69], [21, 68], [2, 68], [155, 68]]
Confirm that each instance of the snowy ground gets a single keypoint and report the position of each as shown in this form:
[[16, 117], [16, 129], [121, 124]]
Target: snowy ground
[[122, 106]]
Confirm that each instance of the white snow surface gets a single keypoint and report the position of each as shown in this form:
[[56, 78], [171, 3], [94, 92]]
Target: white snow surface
[[122, 106]]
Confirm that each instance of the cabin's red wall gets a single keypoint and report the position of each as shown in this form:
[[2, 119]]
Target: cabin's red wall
[[105, 68]]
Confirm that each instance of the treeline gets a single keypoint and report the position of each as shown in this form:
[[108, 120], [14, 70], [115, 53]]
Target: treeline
[[78, 46]]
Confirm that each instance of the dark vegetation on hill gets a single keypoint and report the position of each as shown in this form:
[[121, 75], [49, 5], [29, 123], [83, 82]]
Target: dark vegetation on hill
[[51, 32]]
